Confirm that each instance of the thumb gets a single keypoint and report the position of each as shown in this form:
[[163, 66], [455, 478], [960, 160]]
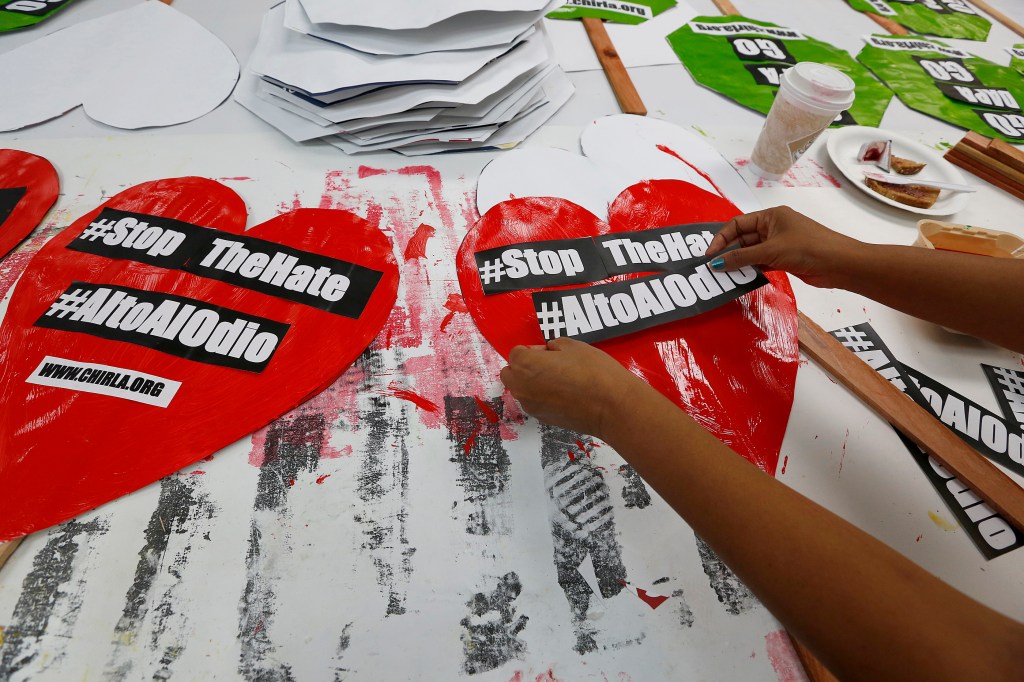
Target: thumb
[[734, 259]]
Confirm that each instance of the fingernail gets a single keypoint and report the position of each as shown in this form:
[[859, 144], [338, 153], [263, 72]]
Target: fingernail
[[718, 264]]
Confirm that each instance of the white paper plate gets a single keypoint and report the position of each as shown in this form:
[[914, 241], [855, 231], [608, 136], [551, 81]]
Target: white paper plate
[[844, 143]]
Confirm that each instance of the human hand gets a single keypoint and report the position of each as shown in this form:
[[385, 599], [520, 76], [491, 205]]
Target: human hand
[[781, 239], [569, 383]]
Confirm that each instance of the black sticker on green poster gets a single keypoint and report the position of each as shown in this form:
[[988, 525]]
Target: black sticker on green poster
[[943, 18], [918, 69], [15, 14], [743, 59]]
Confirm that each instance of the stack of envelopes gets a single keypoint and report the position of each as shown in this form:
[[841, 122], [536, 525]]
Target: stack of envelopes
[[411, 76]]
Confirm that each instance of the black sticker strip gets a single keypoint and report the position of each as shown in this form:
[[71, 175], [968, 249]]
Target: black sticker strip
[[1008, 385], [312, 279], [533, 265], [172, 324], [766, 74], [989, 532], [752, 49], [994, 98], [947, 70], [34, 8], [606, 311], [665, 249], [560, 262], [9, 198], [1010, 125]]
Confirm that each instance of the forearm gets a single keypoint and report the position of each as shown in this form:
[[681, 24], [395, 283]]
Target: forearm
[[868, 612], [979, 295]]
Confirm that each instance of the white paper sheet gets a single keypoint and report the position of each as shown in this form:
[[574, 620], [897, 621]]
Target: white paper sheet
[[630, 144], [404, 14], [640, 45], [296, 127], [318, 66], [542, 172], [530, 54], [462, 32], [148, 65]]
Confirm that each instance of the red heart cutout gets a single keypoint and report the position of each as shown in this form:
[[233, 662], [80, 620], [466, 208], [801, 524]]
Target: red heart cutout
[[38, 179], [733, 368], [63, 452]]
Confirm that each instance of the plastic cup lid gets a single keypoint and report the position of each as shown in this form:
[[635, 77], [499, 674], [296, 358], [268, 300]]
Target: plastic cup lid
[[820, 85]]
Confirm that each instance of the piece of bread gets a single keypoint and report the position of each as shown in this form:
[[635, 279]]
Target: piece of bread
[[906, 166], [919, 196]]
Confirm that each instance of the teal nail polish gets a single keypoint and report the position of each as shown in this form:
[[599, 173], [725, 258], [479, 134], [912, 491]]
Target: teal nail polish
[[718, 264]]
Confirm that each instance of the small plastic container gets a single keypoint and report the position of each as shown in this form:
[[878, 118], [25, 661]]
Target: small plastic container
[[810, 98], [935, 234]]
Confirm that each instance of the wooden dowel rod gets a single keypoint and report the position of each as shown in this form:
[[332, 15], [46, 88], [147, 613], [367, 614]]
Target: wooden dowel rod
[[928, 433], [990, 162], [7, 549], [1005, 152], [888, 24], [999, 16], [622, 85], [726, 7], [985, 173]]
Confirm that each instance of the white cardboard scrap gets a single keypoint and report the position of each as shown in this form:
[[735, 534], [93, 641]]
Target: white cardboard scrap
[[404, 14], [148, 65], [318, 66]]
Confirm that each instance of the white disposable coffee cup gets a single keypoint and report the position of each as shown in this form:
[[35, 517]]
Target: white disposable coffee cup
[[810, 98]]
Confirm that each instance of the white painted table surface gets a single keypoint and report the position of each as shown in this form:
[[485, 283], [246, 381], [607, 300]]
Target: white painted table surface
[[368, 574]]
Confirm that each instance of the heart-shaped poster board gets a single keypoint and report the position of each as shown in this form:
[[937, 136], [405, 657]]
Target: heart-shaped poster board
[[155, 331], [15, 14], [148, 65], [28, 187], [732, 368]]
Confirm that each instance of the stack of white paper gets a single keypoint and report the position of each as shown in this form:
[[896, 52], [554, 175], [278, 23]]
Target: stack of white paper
[[406, 75]]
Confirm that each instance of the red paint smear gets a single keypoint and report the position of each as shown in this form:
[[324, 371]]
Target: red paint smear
[[198, 472], [488, 411], [783, 657], [733, 369], [468, 445], [696, 170], [549, 676], [806, 173], [572, 456], [654, 601], [842, 457], [785, 461], [455, 304], [320, 479], [417, 246], [919, 537], [241, 177], [414, 398]]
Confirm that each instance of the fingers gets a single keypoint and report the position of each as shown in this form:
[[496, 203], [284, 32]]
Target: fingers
[[743, 229], [738, 258]]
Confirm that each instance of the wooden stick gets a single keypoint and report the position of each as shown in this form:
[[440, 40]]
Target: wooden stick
[[888, 24], [991, 163], [622, 85], [1005, 152], [7, 549], [928, 433], [726, 7], [999, 16], [984, 173], [815, 669]]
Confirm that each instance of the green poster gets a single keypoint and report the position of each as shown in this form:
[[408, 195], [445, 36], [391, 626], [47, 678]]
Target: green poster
[[618, 11], [743, 59], [945, 18], [1017, 58], [15, 14], [949, 84]]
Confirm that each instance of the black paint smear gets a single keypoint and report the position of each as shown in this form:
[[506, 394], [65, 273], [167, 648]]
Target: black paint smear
[[490, 638], [343, 643], [383, 487], [634, 492], [176, 510], [684, 610], [44, 589], [484, 464], [732, 593], [582, 523], [292, 446]]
